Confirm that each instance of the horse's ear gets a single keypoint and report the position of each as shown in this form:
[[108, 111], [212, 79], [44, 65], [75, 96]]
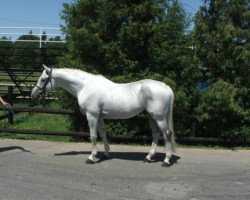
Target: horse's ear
[[46, 69]]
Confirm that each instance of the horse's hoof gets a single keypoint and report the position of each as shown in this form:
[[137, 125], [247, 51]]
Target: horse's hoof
[[165, 164], [146, 160], [88, 161], [105, 157]]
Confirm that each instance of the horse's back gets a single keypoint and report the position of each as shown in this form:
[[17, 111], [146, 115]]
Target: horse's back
[[145, 94]]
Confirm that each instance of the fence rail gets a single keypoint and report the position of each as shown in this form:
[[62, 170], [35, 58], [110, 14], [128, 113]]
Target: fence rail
[[14, 33], [40, 110], [85, 134], [44, 132], [2, 70]]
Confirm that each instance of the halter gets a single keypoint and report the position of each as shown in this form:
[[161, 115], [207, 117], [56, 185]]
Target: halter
[[42, 89]]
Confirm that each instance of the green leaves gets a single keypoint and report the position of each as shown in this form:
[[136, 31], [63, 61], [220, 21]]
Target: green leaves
[[220, 110], [133, 35], [222, 42], [222, 39], [131, 40]]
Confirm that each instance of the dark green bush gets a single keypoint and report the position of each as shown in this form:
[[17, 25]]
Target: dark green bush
[[219, 113]]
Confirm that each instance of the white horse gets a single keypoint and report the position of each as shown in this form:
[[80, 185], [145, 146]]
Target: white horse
[[100, 98]]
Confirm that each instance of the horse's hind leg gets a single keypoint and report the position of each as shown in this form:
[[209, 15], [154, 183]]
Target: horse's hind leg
[[162, 124], [104, 138], [155, 134]]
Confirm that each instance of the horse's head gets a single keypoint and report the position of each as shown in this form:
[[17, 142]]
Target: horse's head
[[44, 83]]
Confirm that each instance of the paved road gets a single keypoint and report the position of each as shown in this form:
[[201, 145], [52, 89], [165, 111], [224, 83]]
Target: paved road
[[49, 170]]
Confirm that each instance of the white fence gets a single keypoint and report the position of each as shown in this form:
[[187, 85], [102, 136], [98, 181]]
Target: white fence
[[14, 33]]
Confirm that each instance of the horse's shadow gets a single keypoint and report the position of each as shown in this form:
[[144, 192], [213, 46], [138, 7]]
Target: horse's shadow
[[134, 156], [11, 148]]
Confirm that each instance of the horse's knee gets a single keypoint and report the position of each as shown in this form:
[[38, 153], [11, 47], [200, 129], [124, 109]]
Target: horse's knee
[[167, 135], [93, 138], [158, 117]]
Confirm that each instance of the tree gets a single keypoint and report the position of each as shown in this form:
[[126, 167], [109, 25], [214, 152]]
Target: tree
[[117, 38], [44, 36], [220, 113], [6, 48], [222, 42], [132, 40], [222, 35], [29, 36]]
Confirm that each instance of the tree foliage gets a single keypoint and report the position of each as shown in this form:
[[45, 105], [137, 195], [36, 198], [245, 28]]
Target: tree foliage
[[27, 55], [222, 35], [131, 40], [208, 68], [221, 100], [222, 40], [122, 37]]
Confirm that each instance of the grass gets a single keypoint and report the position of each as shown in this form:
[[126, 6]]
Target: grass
[[38, 121]]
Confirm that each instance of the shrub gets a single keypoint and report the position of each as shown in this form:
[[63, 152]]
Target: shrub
[[219, 113]]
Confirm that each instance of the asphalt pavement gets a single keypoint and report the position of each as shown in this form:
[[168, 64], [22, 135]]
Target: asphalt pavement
[[37, 170]]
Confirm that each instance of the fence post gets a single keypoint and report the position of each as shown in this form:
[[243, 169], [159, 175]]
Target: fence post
[[193, 126], [193, 129], [30, 101], [10, 98]]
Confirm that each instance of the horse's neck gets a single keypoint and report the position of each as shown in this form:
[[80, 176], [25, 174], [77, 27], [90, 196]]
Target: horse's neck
[[68, 80]]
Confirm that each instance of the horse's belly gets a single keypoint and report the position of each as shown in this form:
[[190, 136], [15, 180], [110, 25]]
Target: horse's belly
[[121, 113]]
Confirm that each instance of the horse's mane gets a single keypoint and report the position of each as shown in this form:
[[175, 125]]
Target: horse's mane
[[73, 69], [85, 74]]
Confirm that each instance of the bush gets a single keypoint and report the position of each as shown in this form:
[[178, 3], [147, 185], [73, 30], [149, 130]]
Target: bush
[[219, 113], [182, 121], [241, 133]]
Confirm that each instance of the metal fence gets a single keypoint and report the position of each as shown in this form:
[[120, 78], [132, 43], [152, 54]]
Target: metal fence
[[44, 34]]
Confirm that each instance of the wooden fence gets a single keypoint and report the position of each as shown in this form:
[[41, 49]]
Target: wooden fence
[[85, 134], [25, 78], [9, 115]]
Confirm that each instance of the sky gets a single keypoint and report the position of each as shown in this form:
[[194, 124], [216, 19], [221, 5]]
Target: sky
[[46, 13]]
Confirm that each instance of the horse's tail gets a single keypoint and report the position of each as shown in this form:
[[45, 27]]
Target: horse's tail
[[170, 121]]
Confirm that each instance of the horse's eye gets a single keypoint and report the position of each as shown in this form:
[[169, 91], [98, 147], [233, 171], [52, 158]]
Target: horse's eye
[[42, 80]]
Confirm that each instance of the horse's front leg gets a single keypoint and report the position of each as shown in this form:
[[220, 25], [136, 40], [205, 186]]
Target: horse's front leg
[[93, 124]]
